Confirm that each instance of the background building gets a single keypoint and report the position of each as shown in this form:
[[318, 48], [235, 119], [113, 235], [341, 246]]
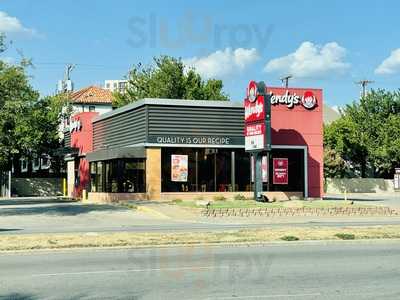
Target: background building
[[116, 85]]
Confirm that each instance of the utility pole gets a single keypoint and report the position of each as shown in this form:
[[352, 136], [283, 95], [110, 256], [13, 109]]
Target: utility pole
[[68, 70], [66, 85], [285, 80], [363, 84]]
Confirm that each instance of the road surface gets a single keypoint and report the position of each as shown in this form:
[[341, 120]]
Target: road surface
[[317, 270], [28, 216]]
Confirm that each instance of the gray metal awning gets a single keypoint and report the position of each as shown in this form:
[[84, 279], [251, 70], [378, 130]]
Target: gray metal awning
[[125, 152]]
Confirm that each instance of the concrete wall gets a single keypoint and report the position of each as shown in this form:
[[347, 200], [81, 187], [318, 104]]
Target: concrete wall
[[26, 187], [358, 185]]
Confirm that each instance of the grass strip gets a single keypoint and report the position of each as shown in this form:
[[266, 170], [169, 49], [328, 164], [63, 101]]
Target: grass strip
[[129, 239]]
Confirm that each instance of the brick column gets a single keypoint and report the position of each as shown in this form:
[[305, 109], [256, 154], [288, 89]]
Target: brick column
[[153, 173]]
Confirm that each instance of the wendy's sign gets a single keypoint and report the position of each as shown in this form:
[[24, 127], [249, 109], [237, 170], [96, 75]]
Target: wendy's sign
[[254, 108], [291, 99], [257, 117]]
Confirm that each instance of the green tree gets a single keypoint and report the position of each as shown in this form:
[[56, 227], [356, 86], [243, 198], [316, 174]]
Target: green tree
[[367, 134], [334, 164], [28, 124], [167, 78], [343, 137]]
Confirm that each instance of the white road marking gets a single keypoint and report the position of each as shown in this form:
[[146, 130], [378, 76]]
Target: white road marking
[[127, 271], [267, 296]]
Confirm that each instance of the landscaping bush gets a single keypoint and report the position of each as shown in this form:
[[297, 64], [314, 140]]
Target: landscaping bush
[[219, 198], [177, 201], [345, 236], [239, 197], [289, 238]]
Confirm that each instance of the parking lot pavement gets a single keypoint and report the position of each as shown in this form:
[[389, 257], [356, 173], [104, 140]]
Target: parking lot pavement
[[52, 215], [34, 215]]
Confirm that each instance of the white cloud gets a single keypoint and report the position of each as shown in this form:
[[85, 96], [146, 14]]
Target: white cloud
[[390, 65], [223, 62], [311, 60], [11, 25]]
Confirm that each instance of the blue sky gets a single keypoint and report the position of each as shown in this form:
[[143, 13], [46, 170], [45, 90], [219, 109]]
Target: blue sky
[[327, 45]]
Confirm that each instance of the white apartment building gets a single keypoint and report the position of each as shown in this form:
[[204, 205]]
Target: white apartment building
[[116, 85]]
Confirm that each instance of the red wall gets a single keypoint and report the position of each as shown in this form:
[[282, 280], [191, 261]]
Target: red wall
[[83, 140], [301, 126]]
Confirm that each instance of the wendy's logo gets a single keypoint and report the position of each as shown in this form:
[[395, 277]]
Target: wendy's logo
[[309, 101]]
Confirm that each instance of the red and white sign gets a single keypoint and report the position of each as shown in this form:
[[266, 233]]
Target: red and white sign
[[253, 104], [252, 91], [254, 136], [280, 171], [290, 99], [254, 111]]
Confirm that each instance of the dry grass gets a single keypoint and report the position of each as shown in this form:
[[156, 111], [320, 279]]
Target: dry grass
[[62, 241]]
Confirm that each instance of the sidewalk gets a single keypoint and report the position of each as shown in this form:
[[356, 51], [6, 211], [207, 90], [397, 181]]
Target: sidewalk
[[382, 199]]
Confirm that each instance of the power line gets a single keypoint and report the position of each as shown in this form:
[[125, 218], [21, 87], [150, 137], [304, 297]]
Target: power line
[[80, 65]]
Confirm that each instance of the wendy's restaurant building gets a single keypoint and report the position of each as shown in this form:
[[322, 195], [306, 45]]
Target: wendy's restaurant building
[[165, 149]]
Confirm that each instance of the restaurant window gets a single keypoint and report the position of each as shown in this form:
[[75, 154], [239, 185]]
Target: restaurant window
[[118, 176], [242, 171], [93, 176], [208, 170]]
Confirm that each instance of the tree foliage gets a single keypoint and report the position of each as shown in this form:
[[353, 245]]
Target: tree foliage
[[167, 78], [367, 135], [28, 124]]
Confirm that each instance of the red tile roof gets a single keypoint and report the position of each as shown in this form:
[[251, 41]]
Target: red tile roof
[[92, 95]]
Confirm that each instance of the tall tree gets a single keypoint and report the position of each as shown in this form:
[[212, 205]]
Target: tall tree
[[28, 124], [167, 78], [368, 133]]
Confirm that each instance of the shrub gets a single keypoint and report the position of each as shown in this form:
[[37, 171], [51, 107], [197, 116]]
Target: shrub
[[289, 238], [177, 201], [239, 197], [345, 236], [219, 198]]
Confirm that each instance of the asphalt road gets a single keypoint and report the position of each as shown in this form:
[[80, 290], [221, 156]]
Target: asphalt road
[[27, 216], [341, 270]]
